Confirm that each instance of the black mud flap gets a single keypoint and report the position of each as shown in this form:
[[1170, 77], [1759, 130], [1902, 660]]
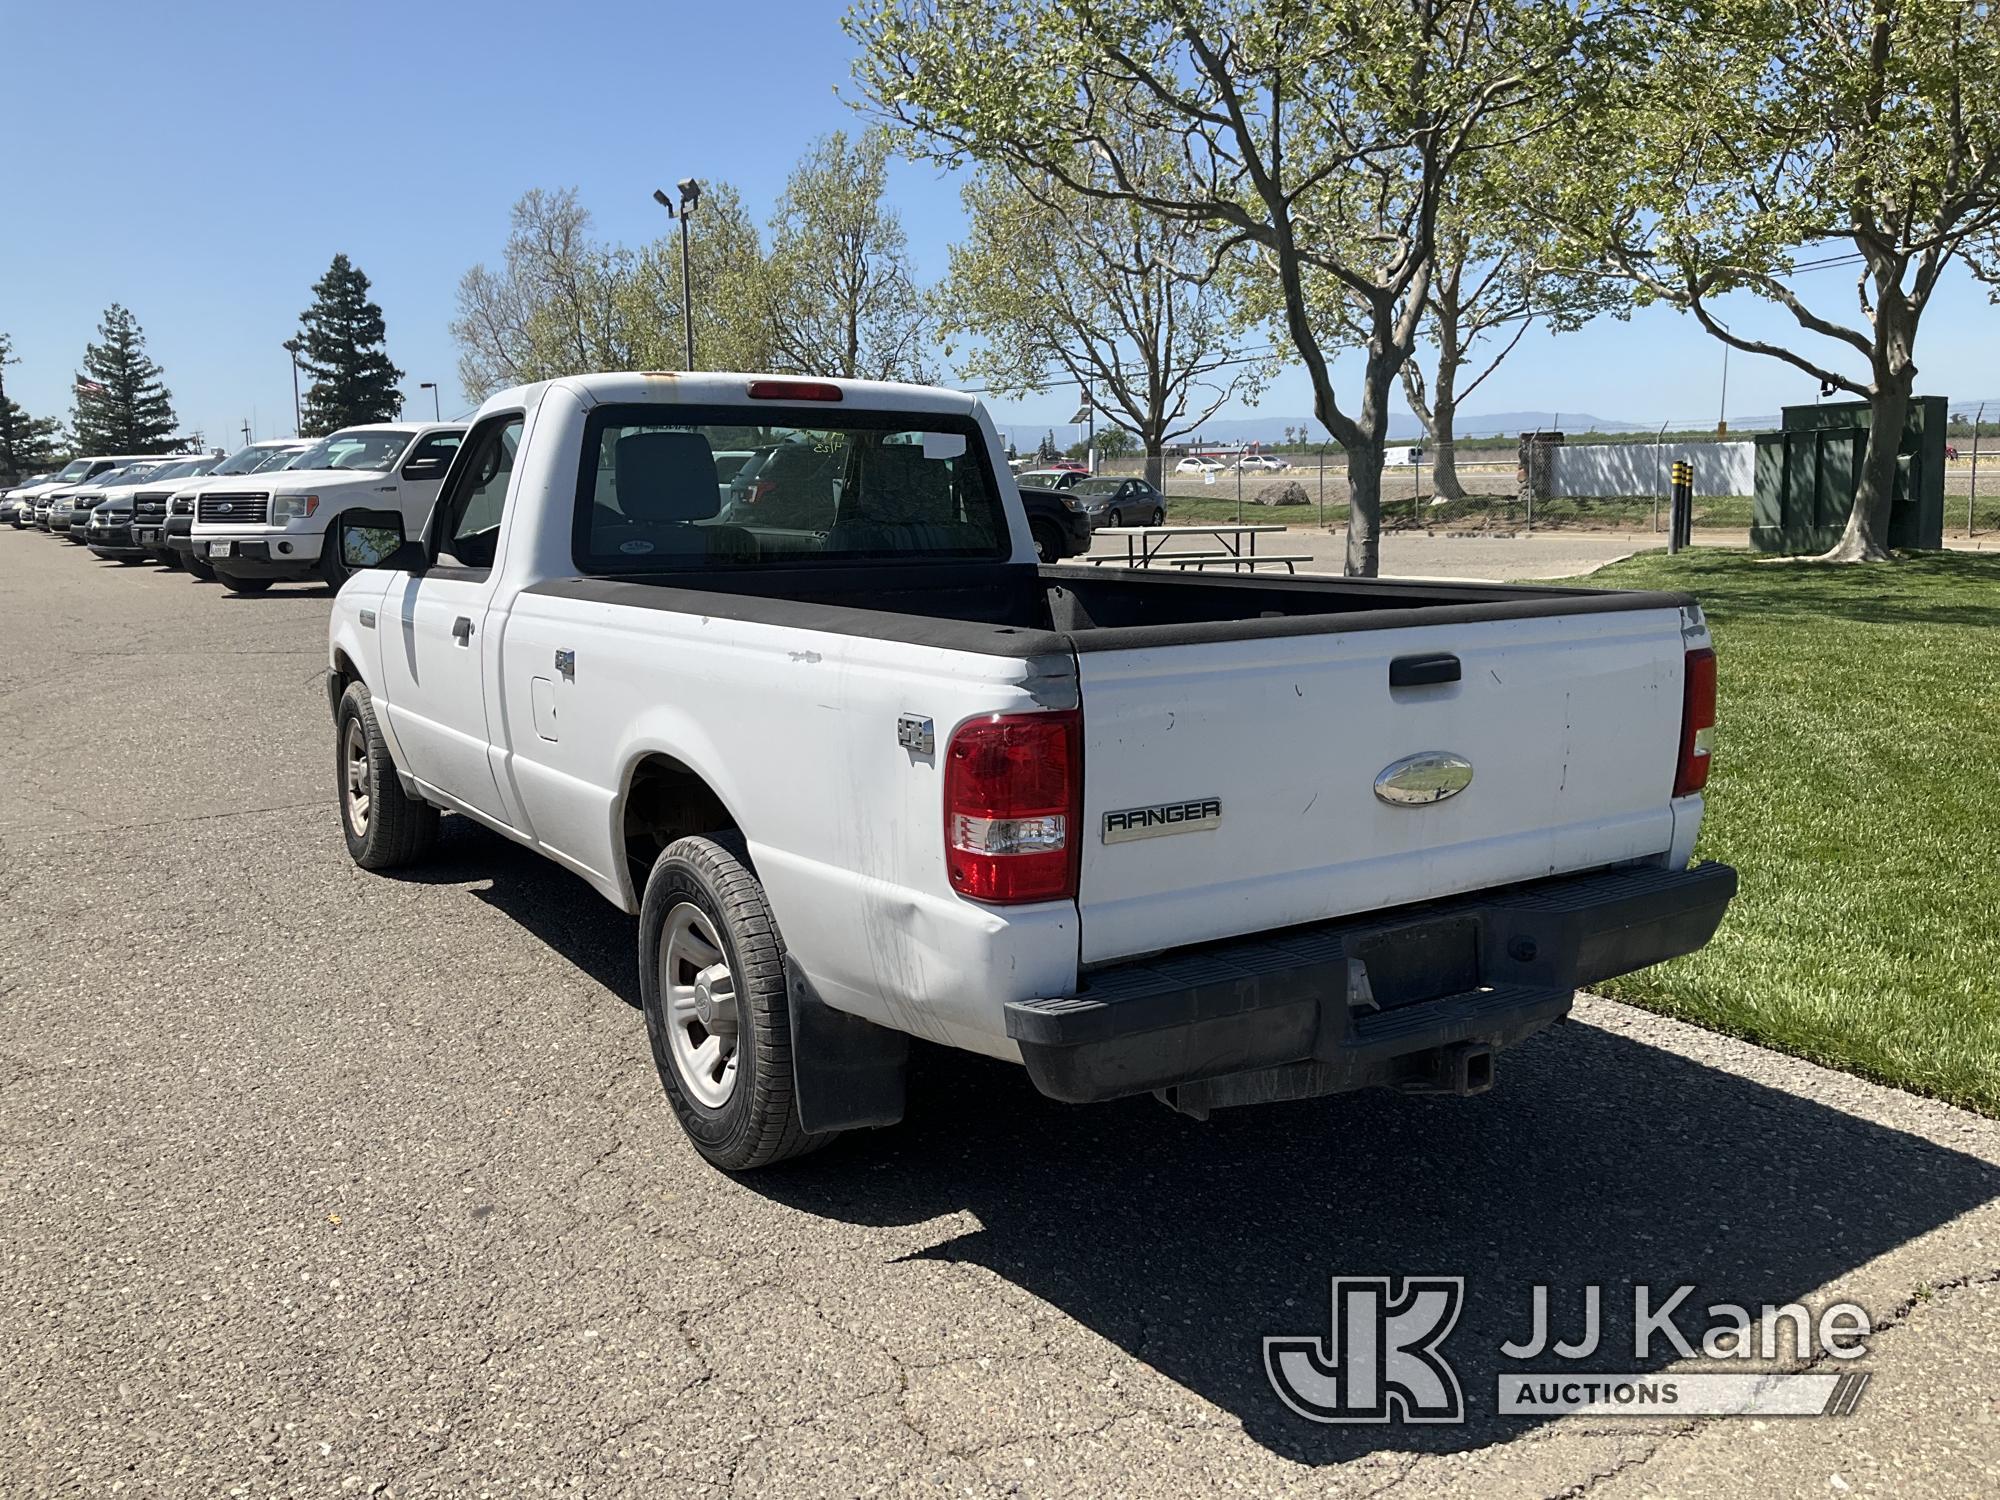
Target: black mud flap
[[847, 1073]]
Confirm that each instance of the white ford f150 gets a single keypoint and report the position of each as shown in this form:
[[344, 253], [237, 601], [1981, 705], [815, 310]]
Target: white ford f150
[[865, 771], [274, 526]]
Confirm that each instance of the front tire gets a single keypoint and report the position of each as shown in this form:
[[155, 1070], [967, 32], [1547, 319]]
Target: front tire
[[712, 983], [1048, 542], [199, 567], [384, 825], [1117, 517], [332, 571], [237, 585]]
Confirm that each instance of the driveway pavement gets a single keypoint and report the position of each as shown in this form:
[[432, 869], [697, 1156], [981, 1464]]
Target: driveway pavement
[[318, 1183]]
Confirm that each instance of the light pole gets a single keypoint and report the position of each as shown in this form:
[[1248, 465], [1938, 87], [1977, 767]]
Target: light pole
[[690, 192], [293, 348], [432, 387], [1722, 406]]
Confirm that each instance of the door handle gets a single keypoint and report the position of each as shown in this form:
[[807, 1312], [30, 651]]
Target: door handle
[[462, 629]]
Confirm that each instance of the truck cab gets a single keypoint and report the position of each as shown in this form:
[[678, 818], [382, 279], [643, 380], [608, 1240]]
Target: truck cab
[[274, 527]]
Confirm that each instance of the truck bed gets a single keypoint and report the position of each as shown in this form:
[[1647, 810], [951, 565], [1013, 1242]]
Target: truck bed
[[1017, 610]]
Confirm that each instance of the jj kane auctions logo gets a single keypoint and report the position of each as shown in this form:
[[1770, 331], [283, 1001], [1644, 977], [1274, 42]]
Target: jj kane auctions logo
[[1382, 1359]]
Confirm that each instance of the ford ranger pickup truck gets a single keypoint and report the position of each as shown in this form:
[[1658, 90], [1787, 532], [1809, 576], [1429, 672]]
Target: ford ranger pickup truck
[[865, 771]]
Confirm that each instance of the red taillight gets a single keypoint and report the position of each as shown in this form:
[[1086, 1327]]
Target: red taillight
[[759, 488], [794, 390], [1013, 797], [1697, 722]]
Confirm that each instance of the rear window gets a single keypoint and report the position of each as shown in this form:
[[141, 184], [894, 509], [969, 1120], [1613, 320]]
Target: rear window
[[667, 488]]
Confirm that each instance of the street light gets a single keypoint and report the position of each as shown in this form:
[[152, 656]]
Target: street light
[[690, 192], [432, 387], [294, 347]]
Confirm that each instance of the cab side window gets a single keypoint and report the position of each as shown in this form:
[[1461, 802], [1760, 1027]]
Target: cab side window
[[431, 457], [469, 511]]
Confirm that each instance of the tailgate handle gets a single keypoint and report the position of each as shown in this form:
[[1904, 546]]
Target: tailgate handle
[[1423, 671]]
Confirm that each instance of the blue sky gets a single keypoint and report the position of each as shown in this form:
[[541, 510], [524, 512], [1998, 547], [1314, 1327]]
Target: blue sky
[[202, 162]]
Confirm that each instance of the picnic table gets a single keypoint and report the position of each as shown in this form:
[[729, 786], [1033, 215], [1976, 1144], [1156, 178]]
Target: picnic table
[[1232, 546]]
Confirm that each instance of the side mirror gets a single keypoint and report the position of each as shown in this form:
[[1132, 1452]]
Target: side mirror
[[374, 539], [417, 470]]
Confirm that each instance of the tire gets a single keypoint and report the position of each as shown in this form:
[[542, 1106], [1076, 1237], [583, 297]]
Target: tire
[[199, 568], [385, 827], [1159, 515], [237, 585], [332, 571], [169, 559], [738, 1109], [1048, 542], [1117, 516]]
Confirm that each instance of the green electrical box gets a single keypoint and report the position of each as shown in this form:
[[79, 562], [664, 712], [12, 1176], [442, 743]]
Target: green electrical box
[[1807, 472]]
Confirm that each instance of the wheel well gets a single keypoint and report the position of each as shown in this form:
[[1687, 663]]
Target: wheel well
[[337, 678], [664, 801]]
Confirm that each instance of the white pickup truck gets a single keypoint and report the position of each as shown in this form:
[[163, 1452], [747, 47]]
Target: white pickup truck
[[275, 525], [866, 771]]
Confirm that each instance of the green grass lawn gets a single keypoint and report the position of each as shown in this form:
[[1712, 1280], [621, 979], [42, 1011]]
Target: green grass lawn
[[1857, 791]]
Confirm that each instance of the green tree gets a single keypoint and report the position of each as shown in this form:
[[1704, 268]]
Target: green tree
[[1805, 134], [565, 303], [1046, 452], [1056, 285], [122, 404], [27, 444], [840, 292], [1495, 277], [1315, 143], [343, 333], [726, 269]]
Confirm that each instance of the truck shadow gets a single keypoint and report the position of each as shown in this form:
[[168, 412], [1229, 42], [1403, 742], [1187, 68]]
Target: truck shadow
[[1597, 1160]]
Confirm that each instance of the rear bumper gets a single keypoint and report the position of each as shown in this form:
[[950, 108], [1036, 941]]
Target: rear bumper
[[1400, 998]]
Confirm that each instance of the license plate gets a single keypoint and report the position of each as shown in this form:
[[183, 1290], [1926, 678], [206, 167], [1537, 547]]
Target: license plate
[[219, 549], [145, 538]]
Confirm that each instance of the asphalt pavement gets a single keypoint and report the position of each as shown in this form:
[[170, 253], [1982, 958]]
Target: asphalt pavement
[[321, 1183]]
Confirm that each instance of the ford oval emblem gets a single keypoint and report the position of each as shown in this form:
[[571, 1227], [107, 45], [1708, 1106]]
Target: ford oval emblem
[[224, 508], [1428, 776]]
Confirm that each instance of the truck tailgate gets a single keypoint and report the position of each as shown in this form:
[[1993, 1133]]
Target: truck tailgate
[[1230, 787]]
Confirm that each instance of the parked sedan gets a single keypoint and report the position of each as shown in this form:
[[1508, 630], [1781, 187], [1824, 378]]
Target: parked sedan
[[1269, 463], [1120, 502], [1193, 465]]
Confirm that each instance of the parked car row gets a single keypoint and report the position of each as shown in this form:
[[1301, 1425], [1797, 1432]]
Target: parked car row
[[236, 519]]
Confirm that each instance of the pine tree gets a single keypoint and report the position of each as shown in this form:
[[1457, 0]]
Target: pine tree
[[352, 379], [27, 443], [122, 406], [1048, 452]]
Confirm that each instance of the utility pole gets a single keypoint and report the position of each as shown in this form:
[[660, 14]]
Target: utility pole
[[690, 191], [246, 432], [431, 386], [293, 347]]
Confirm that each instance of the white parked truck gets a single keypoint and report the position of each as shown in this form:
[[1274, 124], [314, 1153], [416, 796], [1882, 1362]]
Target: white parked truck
[[274, 525], [865, 771]]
